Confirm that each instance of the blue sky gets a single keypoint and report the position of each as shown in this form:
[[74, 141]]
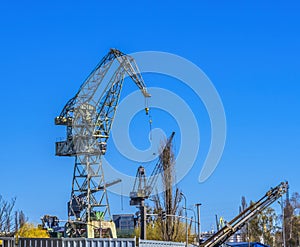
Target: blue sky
[[249, 50]]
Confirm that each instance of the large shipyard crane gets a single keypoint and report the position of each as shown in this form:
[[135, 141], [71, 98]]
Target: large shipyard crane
[[239, 221], [88, 118], [143, 187]]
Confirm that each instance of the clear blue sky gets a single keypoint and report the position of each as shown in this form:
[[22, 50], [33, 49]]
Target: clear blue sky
[[249, 50]]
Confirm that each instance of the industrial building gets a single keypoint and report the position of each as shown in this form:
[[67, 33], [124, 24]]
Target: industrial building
[[125, 224]]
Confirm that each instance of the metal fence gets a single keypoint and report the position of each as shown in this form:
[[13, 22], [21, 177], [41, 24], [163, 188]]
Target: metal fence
[[117, 242], [76, 242], [153, 243], [7, 242], [39, 242], [85, 242]]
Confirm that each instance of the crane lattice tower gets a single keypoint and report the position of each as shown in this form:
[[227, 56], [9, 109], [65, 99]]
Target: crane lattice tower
[[88, 118]]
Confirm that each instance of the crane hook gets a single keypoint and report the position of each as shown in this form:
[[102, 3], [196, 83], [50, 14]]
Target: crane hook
[[147, 110]]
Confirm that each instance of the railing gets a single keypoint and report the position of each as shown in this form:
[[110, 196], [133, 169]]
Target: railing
[[7, 242], [76, 242], [154, 243], [84, 242]]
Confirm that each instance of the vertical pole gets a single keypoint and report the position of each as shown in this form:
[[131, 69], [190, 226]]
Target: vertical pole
[[283, 223], [89, 228], [143, 219], [195, 222], [88, 216], [248, 230], [186, 221], [217, 223], [186, 225], [193, 219], [198, 219]]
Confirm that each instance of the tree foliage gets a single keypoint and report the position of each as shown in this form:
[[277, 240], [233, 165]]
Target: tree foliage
[[154, 231], [30, 231], [291, 220], [263, 227], [244, 230], [267, 227]]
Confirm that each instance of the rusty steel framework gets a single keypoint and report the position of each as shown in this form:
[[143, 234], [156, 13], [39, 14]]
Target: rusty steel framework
[[88, 117]]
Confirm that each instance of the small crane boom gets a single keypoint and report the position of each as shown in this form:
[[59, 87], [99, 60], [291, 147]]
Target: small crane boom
[[240, 220]]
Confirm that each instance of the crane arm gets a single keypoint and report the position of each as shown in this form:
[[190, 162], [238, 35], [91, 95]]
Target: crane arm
[[91, 113], [101, 187], [132, 70], [109, 101], [88, 89], [240, 220]]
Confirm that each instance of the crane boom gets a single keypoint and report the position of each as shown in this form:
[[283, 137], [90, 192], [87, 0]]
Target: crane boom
[[88, 89], [99, 107], [88, 117], [240, 220]]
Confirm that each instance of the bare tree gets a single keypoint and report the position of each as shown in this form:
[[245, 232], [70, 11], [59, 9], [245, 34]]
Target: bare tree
[[244, 230], [169, 200], [20, 220], [6, 215], [10, 221]]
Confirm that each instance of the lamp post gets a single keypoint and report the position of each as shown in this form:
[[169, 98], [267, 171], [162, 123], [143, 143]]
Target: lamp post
[[283, 224], [198, 219], [195, 220], [186, 222]]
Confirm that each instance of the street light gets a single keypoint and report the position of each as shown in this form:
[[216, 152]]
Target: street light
[[186, 222], [195, 220], [283, 224], [198, 219]]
